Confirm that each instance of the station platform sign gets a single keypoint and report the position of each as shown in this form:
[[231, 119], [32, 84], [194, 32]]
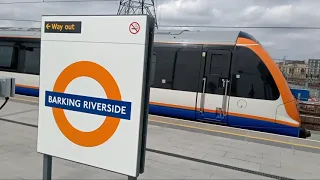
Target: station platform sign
[[94, 90]]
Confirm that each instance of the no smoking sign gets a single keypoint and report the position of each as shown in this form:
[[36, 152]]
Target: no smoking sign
[[134, 28]]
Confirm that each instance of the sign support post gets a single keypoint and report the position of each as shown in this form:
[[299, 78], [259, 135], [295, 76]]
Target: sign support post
[[101, 124], [47, 167]]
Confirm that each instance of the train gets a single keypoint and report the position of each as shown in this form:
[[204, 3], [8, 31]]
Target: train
[[220, 77]]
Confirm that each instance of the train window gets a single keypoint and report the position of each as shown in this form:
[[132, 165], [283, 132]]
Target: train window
[[31, 53], [217, 68], [165, 67], [220, 63], [251, 77], [6, 55], [187, 69]]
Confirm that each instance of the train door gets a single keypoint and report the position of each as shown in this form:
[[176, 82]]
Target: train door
[[216, 81]]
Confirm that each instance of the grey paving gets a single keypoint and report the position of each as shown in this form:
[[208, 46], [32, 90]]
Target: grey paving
[[315, 135], [18, 157], [19, 160], [237, 133]]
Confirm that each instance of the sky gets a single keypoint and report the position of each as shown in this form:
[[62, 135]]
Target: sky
[[292, 44]]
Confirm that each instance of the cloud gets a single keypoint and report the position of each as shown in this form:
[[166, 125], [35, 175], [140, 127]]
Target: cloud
[[292, 43]]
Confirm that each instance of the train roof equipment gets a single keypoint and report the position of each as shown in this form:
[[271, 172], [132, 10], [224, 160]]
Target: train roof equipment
[[163, 36], [20, 32]]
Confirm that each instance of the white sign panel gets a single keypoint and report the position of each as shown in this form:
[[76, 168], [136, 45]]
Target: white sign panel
[[92, 88]]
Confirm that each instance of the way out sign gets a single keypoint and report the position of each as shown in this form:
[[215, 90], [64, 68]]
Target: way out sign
[[93, 102]]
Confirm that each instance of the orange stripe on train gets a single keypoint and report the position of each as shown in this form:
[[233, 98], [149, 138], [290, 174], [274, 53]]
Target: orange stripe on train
[[26, 86], [230, 113], [284, 90]]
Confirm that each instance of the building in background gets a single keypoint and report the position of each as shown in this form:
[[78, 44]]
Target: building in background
[[314, 67], [293, 68]]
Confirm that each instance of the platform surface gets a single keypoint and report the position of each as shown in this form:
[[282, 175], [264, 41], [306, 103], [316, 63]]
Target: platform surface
[[173, 153]]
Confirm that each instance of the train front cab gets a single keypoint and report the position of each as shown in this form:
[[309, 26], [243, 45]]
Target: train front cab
[[243, 87]]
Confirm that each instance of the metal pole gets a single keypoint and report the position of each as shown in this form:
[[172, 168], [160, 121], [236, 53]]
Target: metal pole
[[142, 6], [129, 6], [47, 167]]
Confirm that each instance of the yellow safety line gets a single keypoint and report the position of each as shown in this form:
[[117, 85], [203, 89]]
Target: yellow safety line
[[236, 134], [210, 130]]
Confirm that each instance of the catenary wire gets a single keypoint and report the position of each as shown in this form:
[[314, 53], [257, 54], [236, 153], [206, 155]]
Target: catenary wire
[[244, 27], [194, 26], [60, 1], [25, 20]]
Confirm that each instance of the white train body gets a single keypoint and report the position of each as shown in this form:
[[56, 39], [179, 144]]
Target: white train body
[[220, 77]]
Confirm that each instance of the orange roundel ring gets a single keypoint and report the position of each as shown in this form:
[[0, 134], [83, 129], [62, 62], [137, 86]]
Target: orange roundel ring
[[105, 79]]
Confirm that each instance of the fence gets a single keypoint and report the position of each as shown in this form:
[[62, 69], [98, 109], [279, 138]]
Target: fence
[[314, 92]]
